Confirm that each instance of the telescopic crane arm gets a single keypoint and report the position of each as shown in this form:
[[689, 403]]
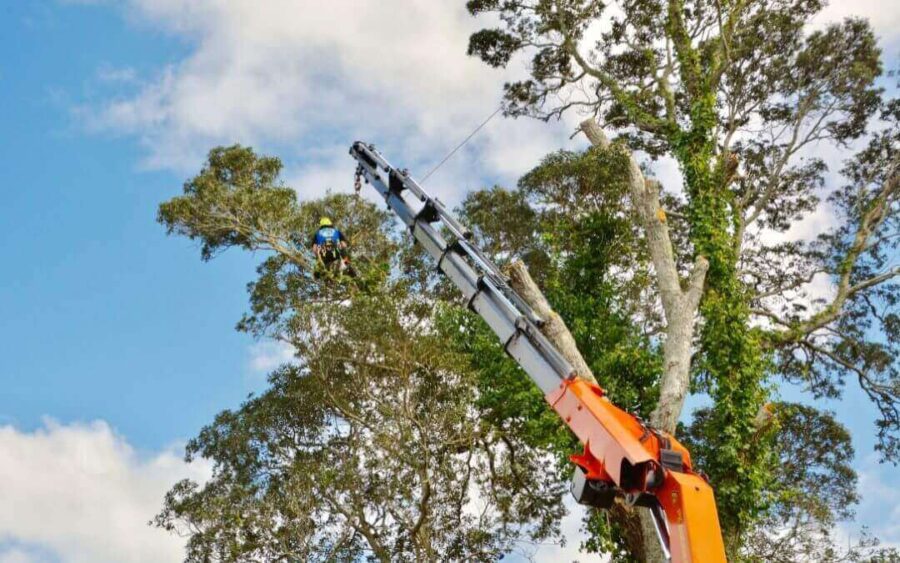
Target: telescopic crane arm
[[622, 456]]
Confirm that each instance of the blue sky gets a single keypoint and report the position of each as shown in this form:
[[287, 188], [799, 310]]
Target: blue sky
[[117, 342], [104, 316]]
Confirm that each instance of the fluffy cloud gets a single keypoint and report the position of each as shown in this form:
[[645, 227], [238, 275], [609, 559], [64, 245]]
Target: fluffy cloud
[[80, 492], [880, 503], [884, 17], [307, 78]]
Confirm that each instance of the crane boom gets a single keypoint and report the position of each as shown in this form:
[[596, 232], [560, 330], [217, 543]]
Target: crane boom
[[622, 457]]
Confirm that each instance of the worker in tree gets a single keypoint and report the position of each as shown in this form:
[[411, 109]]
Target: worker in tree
[[330, 248]]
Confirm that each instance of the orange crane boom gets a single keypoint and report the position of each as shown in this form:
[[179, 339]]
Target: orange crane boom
[[623, 457]]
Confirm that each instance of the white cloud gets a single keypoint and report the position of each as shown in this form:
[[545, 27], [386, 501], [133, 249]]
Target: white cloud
[[880, 503], [884, 17], [268, 355], [305, 79], [80, 493], [15, 555]]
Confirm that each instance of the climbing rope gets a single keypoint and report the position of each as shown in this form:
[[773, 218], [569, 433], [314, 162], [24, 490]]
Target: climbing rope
[[459, 146]]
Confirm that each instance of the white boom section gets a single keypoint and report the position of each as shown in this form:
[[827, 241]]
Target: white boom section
[[481, 282]]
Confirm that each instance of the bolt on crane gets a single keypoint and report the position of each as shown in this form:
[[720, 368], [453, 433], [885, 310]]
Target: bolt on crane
[[622, 456]]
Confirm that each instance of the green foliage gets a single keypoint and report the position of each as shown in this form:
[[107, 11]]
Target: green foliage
[[814, 488], [236, 200], [303, 458], [596, 273], [507, 400], [372, 444], [566, 221]]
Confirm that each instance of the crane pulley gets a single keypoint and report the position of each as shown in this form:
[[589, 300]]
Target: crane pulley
[[622, 457]]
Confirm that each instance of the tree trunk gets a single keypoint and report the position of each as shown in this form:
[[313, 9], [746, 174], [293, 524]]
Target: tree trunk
[[679, 305]]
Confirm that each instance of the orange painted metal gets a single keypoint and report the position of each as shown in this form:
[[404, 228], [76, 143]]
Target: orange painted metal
[[621, 450], [690, 507]]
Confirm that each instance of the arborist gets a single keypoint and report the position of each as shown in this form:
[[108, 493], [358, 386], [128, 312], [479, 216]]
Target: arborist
[[329, 246]]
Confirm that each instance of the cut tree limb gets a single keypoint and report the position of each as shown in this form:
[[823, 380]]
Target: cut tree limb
[[679, 304], [553, 328]]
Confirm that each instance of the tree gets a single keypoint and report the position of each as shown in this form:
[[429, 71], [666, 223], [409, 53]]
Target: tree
[[573, 234], [737, 93], [815, 487], [372, 444]]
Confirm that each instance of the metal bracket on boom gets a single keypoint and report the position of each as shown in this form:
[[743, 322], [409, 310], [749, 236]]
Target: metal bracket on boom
[[429, 213], [622, 457], [395, 182]]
